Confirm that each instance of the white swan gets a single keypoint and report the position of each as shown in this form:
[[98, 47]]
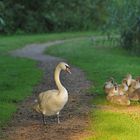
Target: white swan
[[51, 102]]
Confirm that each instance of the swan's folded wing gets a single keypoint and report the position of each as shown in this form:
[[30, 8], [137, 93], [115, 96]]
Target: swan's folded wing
[[46, 95]]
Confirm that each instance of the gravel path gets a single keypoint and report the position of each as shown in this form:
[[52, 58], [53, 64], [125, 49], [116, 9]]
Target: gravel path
[[27, 125]]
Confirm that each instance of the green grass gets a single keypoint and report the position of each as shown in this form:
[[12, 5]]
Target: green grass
[[114, 126], [16, 41], [99, 63], [19, 75], [6, 110]]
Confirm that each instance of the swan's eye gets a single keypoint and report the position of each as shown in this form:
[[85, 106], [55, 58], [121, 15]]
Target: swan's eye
[[125, 82], [67, 67], [112, 82]]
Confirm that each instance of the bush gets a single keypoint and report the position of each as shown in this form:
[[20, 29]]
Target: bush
[[53, 15], [2, 22], [131, 37]]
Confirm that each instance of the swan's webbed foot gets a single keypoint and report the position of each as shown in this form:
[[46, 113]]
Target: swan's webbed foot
[[58, 120], [44, 121]]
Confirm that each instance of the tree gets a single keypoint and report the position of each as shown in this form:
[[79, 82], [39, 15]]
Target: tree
[[53, 15]]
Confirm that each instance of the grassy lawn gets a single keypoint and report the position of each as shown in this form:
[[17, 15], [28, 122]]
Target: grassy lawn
[[114, 126], [99, 63], [18, 75], [12, 42]]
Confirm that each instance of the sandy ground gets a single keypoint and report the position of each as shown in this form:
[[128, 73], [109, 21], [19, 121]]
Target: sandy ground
[[27, 124]]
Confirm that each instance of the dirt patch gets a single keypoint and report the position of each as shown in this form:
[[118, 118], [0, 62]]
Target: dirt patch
[[27, 125]]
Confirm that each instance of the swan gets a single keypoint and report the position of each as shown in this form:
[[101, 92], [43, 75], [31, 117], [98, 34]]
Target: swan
[[135, 96], [51, 102], [137, 78], [134, 85], [129, 79], [108, 85], [134, 90], [113, 91], [123, 87], [137, 85]]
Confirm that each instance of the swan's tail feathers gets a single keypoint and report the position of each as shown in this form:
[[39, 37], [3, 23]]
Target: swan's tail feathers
[[36, 107]]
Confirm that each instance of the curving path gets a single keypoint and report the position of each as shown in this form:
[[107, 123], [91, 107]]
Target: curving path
[[27, 125]]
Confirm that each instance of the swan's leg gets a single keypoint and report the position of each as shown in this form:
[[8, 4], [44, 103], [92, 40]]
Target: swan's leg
[[58, 120], [43, 118]]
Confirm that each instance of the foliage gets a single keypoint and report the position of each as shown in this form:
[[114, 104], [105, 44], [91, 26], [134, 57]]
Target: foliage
[[124, 15], [131, 37], [2, 22], [51, 15], [22, 16]]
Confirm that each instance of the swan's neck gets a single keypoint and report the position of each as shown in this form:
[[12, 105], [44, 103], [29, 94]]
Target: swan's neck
[[57, 79]]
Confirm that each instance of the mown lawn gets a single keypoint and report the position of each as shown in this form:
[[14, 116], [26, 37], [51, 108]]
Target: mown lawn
[[101, 61], [19, 75], [111, 125]]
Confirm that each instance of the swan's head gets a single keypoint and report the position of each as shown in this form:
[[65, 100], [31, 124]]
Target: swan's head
[[64, 66], [112, 80], [110, 83], [124, 82], [129, 79], [115, 86], [129, 76]]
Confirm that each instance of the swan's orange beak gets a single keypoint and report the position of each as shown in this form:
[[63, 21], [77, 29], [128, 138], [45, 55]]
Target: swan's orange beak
[[68, 70]]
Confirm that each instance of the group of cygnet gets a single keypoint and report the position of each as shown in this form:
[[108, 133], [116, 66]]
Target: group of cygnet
[[128, 90]]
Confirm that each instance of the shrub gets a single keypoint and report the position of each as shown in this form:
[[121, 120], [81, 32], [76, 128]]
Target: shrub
[[131, 37]]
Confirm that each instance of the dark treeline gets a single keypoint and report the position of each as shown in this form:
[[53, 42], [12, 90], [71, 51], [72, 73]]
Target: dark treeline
[[36, 16], [39, 16]]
